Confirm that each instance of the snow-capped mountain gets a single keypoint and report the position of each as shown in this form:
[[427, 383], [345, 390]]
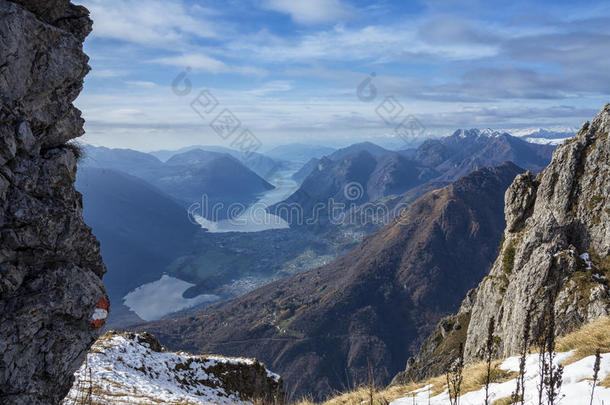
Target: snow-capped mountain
[[476, 132], [545, 136], [133, 368]]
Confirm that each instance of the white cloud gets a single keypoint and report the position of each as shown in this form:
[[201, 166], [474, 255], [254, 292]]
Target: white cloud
[[376, 42], [140, 83], [203, 63], [106, 73], [151, 23], [309, 12], [154, 118], [272, 87], [457, 71], [195, 61]]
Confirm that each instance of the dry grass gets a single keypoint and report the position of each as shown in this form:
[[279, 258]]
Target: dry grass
[[361, 396], [503, 401], [77, 149], [583, 341], [593, 336], [474, 379], [605, 382]]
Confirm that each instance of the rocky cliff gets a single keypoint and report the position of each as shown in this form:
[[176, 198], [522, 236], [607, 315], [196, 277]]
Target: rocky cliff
[[554, 257], [52, 301]]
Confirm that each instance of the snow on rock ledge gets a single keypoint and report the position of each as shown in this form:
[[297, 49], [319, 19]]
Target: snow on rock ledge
[[133, 368]]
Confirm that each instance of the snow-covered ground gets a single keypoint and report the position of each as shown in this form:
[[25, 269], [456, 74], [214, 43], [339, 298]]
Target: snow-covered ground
[[576, 388], [125, 369], [152, 301]]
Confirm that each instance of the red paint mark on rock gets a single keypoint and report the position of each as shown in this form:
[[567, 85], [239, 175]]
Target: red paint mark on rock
[[101, 313]]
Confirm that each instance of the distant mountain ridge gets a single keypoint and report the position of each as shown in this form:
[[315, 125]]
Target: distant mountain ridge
[[466, 150], [544, 136], [260, 164], [318, 329], [359, 172], [187, 176], [314, 162], [379, 173]]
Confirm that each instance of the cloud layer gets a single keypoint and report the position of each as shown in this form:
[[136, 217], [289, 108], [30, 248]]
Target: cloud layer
[[291, 69]]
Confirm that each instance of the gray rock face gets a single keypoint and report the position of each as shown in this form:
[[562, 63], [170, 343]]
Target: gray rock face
[[50, 263], [555, 253]]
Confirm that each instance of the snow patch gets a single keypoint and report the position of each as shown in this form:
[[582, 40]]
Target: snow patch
[[576, 385], [585, 256], [123, 369]]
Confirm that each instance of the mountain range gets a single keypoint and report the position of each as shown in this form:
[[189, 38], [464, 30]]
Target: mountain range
[[466, 150], [373, 173], [186, 176], [547, 136], [262, 165], [123, 209], [320, 329]]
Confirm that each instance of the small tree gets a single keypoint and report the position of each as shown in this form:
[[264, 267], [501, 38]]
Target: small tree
[[489, 350], [455, 377], [551, 375], [519, 394], [596, 367], [371, 382], [542, 369], [555, 372]]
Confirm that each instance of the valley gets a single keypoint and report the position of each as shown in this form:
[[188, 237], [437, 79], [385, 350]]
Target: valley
[[224, 257], [305, 202]]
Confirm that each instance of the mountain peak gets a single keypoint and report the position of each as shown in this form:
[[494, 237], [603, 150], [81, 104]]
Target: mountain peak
[[476, 133]]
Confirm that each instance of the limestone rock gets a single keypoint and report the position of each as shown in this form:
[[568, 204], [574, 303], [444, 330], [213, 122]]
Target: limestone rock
[[555, 254], [50, 263]]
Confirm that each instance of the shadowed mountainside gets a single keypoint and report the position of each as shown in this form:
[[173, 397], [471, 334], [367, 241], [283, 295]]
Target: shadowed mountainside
[[186, 176], [141, 230]]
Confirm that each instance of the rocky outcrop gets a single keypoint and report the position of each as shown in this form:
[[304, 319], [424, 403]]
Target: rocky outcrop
[[554, 257], [133, 368], [52, 300]]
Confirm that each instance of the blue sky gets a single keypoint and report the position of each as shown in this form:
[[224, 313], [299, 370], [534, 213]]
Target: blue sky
[[289, 70]]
